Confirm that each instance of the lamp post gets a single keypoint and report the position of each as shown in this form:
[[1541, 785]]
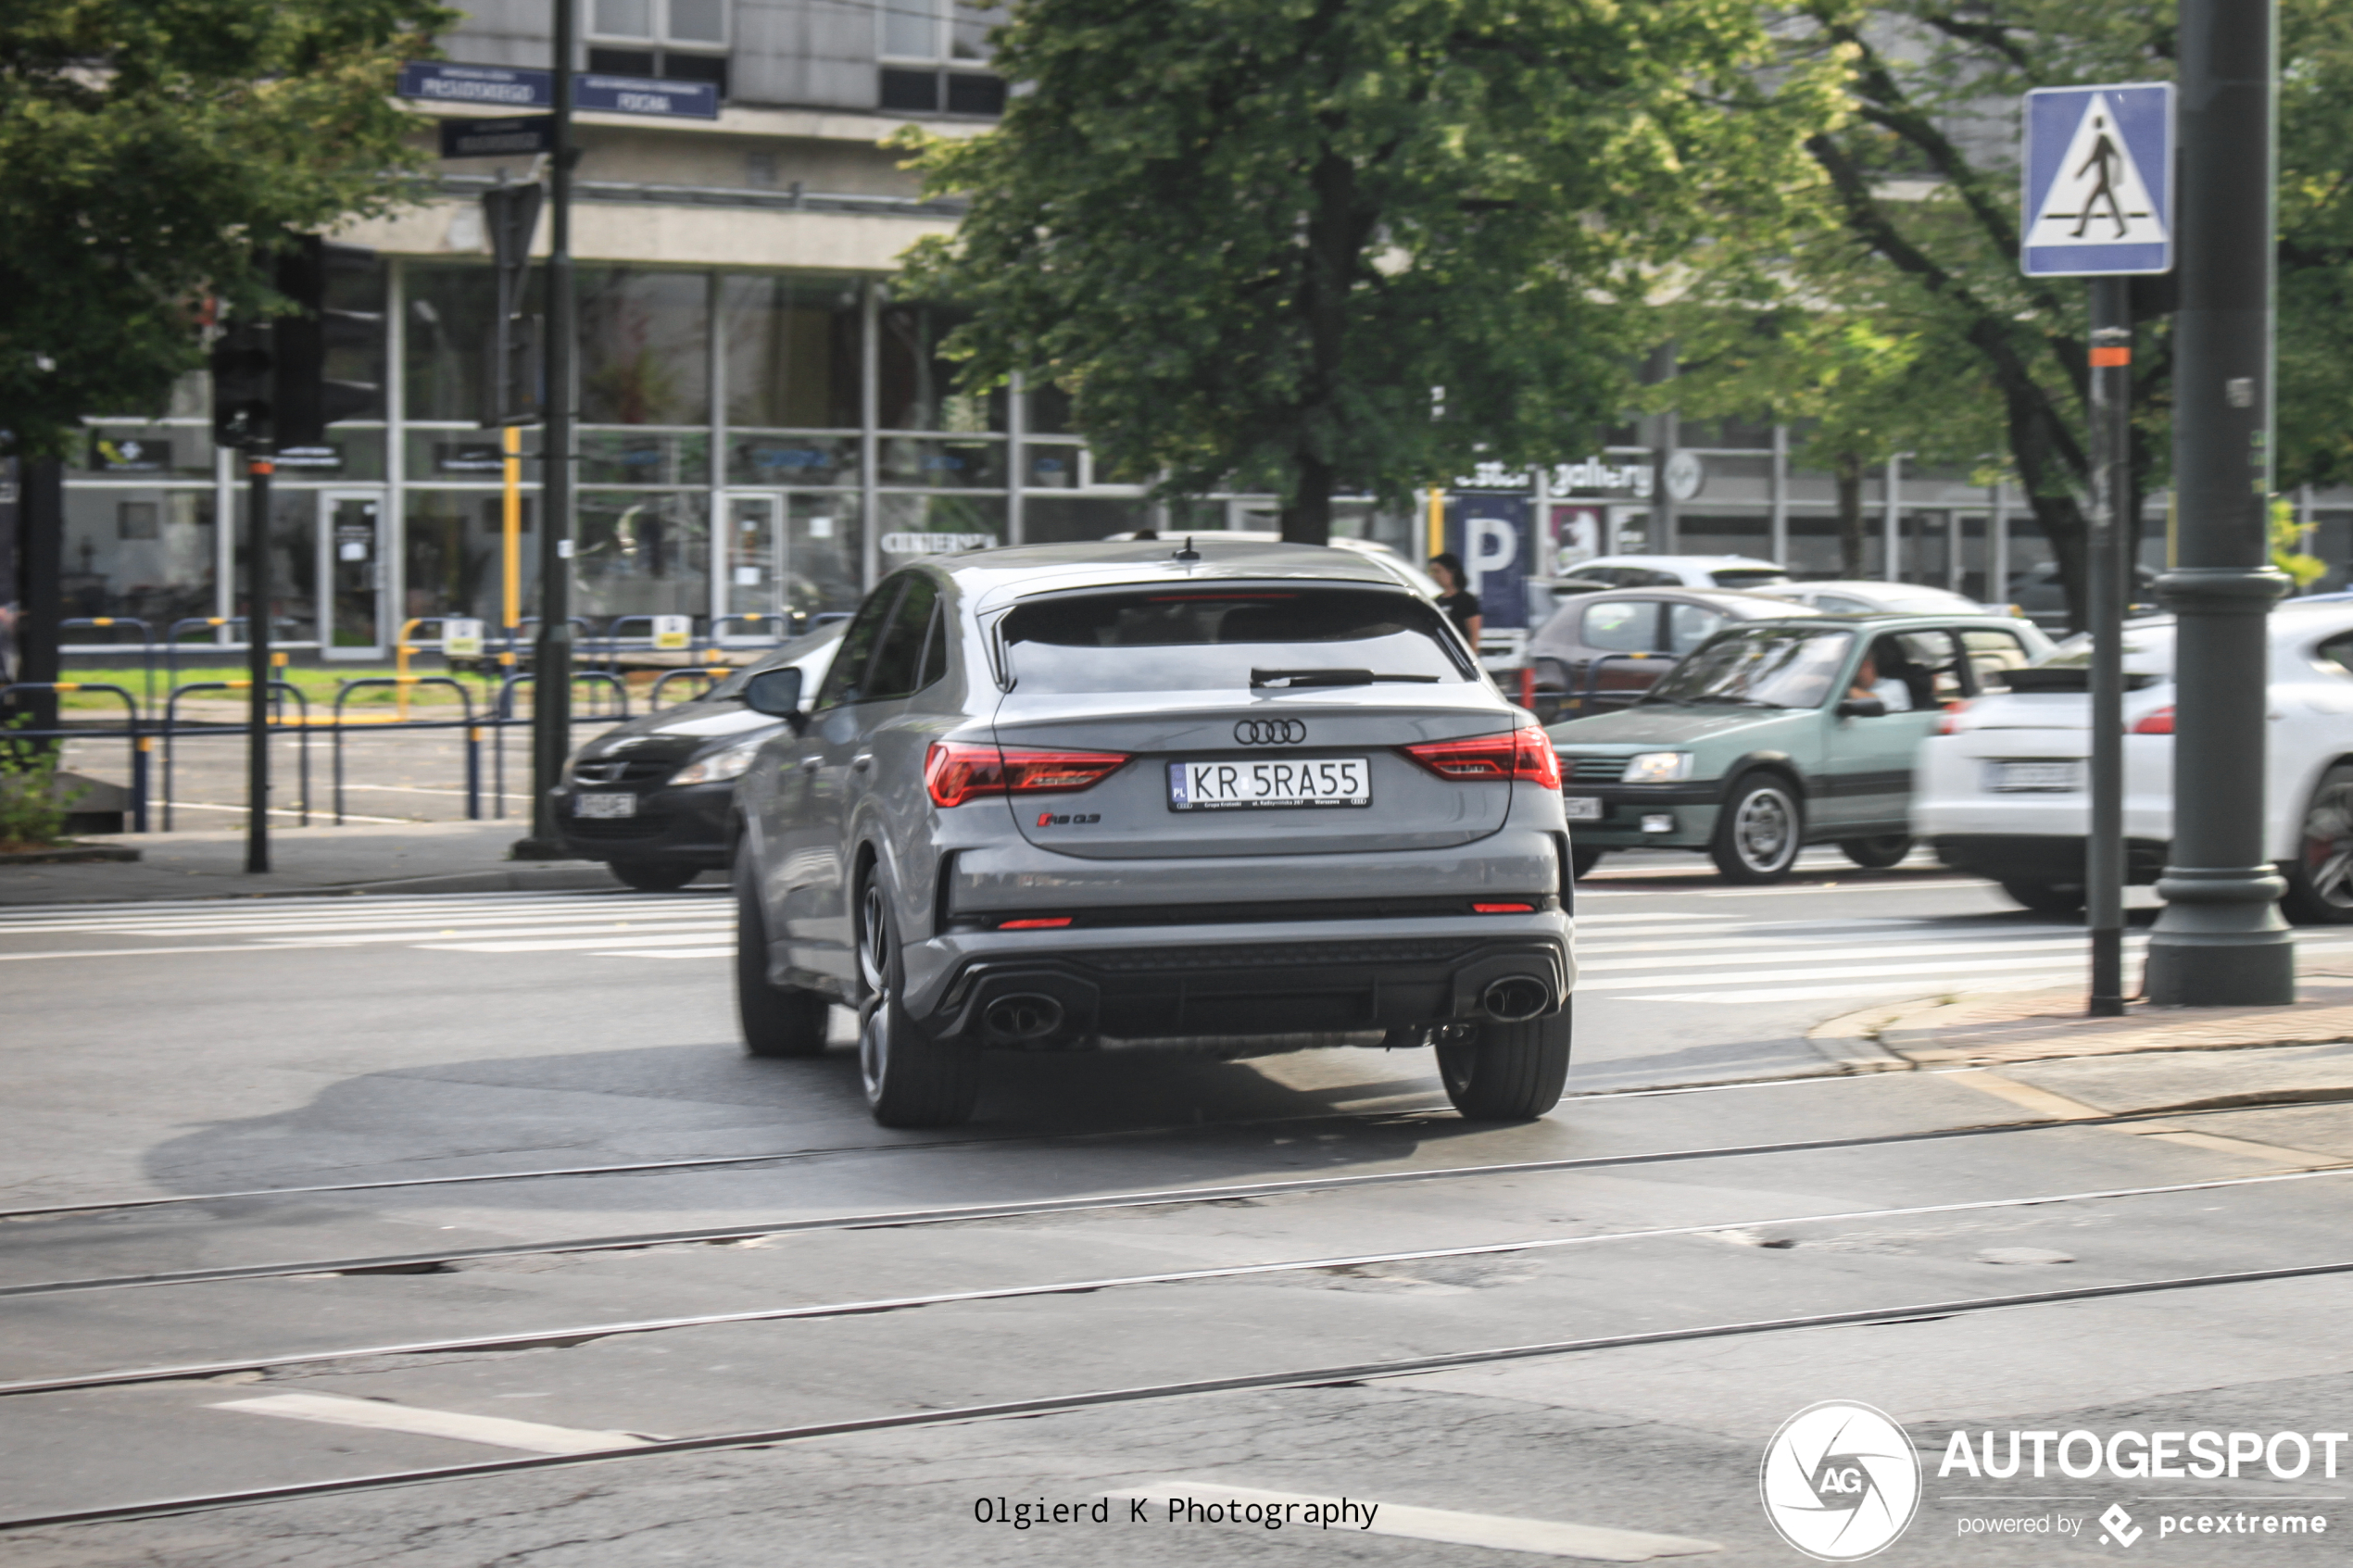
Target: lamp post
[[2220, 941]]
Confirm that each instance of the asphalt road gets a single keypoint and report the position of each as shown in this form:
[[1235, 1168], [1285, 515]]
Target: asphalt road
[[305, 1191]]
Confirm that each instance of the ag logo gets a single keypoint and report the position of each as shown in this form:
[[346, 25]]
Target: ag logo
[[1270, 731], [1840, 1481]]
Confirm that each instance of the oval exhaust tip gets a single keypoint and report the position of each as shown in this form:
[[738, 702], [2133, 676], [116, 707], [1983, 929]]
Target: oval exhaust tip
[[1515, 1000], [1022, 1018]]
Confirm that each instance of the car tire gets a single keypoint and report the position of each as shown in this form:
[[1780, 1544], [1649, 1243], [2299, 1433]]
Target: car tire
[[1877, 854], [2320, 880], [1760, 831], [910, 1079], [2046, 897], [776, 1020], [1584, 861], [653, 876], [1508, 1072]]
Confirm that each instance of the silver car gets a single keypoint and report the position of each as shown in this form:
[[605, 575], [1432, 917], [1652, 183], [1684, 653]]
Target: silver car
[[1223, 796]]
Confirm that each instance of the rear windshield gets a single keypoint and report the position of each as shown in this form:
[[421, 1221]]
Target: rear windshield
[[1758, 667], [1749, 577], [1227, 639]]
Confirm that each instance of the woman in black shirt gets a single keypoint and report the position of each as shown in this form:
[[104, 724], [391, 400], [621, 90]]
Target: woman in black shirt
[[1459, 603]]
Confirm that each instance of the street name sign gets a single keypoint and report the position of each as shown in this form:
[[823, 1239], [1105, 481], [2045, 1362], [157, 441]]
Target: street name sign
[[516, 88], [2100, 181], [514, 137]]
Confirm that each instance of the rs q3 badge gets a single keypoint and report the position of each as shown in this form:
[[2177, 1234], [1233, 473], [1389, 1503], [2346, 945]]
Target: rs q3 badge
[[1270, 731]]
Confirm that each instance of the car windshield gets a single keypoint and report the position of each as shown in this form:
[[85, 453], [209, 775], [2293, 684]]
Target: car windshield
[[1197, 639], [1748, 576], [2149, 650], [1758, 667]]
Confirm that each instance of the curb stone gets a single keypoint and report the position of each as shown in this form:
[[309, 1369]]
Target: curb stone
[[67, 854]]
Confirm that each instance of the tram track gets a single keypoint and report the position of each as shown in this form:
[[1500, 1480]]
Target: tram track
[[1158, 1198], [566, 1336], [1053, 1404]]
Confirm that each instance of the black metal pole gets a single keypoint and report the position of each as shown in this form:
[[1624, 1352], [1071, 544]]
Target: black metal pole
[[41, 520], [2111, 456], [551, 659], [258, 467], [2220, 941]]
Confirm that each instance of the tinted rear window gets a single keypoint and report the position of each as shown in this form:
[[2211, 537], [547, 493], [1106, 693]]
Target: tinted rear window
[[1204, 639], [1748, 577]]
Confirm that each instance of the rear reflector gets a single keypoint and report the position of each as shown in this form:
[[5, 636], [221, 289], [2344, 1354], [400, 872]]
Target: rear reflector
[[1526, 753], [954, 771], [1033, 924], [1504, 908]]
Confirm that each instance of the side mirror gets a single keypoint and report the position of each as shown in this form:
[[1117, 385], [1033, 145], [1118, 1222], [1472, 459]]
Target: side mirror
[[775, 693], [1862, 707]]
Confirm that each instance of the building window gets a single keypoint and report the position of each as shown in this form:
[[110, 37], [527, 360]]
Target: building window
[[676, 40], [952, 39]]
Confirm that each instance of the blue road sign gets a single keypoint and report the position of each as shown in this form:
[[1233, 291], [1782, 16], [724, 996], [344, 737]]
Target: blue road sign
[[515, 88], [506, 87], [2100, 181]]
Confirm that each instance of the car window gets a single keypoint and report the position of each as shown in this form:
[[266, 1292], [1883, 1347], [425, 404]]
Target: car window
[[1645, 577], [936, 646], [1758, 667], [846, 681], [1992, 650], [1229, 639], [1621, 626], [2336, 654], [1838, 604], [1690, 625], [1748, 577], [901, 655], [1928, 663]]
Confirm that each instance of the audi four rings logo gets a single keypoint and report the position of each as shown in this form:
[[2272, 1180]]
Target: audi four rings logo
[[1270, 731]]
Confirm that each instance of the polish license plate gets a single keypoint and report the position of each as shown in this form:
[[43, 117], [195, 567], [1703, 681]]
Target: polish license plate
[[614, 804], [2057, 776], [1305, 780], [1582, 808]]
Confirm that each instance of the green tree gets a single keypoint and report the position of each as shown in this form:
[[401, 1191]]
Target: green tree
[[1348, 245], [146, 147], [1914, 237]]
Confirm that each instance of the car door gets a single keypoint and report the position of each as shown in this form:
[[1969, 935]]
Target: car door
[[882, 799], [807, 870], [1866, 770]]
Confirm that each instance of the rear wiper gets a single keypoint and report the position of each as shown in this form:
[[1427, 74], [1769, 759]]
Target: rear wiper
[[1293, 679]]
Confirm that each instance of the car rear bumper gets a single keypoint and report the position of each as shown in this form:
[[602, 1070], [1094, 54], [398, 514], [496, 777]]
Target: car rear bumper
[[685, 826], [2053, 859], [1068, 989]]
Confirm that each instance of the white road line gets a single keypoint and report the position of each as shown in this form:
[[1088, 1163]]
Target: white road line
[[279, 811], [498, 1432], [573, 944], [1347, 1516], [133, 952], [1859, 943], [1854, 955], [1894, 972], [727, 952]]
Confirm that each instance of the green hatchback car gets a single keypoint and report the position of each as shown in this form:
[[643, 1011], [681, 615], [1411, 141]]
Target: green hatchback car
[[1775, 734]]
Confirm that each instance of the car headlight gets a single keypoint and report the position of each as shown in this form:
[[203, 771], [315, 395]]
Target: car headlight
[[1657, 767], [719, 767]]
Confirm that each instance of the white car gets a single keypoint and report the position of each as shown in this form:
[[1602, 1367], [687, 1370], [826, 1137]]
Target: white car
[[2002, 789], [1873, 598], [1683, 572]]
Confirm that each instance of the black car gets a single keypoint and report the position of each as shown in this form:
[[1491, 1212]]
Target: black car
[[649, 798]]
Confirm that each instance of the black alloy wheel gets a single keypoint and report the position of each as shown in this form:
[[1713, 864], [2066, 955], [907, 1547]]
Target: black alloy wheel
[[2320, 880], [1877, 854], [777, 1020], [1508, 1072], [910, 1080], [2046, 897], [1762, 828], [653, 876]]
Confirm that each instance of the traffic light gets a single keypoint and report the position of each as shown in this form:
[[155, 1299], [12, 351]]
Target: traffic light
[[242, 374], [305, 398], [512, 384]]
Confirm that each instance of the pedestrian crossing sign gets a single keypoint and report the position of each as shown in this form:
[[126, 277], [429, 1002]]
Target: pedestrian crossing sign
[[2100, 181]]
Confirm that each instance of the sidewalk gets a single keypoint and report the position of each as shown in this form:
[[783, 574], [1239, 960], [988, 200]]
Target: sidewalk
[[399, 857], [2037, 1051]]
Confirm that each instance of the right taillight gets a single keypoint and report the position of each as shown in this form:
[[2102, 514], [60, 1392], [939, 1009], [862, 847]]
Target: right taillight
[[2158, 724], [1948, 722], [1525, 754], [955, 772]]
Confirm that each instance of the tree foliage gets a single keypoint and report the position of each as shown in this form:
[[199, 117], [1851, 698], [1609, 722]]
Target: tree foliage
[[1351, 244], [1912, 241], [146, 146]]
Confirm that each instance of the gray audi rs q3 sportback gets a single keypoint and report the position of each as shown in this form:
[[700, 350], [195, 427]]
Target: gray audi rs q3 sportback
[[1231, 798]]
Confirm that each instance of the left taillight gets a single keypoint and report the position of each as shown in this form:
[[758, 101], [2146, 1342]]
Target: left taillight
[[954, 771], [1524, 754], [2158, 724]]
